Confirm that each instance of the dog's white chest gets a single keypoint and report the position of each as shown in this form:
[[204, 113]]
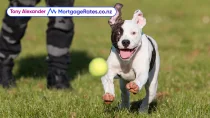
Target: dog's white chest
[[127, 73]]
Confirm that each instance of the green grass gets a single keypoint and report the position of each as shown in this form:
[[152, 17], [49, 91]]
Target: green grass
[[184, 45]]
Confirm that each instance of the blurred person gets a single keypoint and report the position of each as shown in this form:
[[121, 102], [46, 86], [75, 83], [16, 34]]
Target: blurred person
[[59, 35]]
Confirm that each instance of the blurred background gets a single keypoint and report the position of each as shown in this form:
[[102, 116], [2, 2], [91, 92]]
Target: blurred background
[[181, 29]]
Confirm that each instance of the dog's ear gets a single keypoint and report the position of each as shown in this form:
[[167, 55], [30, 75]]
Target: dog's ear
[[139, 18], [117, 17]]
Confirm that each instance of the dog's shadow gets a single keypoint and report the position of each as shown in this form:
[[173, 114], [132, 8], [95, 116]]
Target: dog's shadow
[[134, 108], [36, 66]]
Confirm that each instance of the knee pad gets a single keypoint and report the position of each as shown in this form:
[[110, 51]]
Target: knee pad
[[62, 23]]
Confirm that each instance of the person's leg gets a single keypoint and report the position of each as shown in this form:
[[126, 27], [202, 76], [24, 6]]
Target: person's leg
[[12, 31], [60, 33]]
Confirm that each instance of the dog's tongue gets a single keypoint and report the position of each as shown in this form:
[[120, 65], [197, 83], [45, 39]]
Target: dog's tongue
[[125, 53]]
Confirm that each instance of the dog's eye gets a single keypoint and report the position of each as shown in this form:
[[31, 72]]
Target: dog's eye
[[133, 33], [119, 33]]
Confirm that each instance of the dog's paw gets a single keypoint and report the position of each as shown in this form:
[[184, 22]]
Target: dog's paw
[[108, 98], [132, 87]]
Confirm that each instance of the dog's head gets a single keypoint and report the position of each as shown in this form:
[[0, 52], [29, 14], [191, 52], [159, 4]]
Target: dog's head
[[126, 34]]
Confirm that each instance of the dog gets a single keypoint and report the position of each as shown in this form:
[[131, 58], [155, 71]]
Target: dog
[[134, 59]]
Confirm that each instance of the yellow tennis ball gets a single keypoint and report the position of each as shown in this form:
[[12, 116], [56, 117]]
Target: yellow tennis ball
[[98, 67]]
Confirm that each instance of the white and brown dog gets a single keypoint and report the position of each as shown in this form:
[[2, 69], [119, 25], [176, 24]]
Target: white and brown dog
[[134, 58]]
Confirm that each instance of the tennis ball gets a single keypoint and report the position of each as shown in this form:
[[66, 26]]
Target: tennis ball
[[98, 67]]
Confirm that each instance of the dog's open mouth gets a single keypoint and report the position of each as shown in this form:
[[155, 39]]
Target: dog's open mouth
[[126, 53]]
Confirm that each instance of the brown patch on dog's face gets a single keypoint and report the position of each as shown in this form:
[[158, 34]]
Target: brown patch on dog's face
[[117, 17], [116, 23], [117, 32]]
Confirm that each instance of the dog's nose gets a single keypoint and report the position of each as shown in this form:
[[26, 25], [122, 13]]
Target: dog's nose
[[125, 43]]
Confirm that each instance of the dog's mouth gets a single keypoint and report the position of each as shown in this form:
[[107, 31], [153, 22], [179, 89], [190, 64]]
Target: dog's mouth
[[126, 53]]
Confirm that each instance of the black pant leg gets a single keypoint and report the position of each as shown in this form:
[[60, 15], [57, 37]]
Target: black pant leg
[[60, 34], [13, 29]]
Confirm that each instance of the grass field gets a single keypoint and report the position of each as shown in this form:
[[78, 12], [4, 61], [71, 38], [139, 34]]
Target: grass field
[[181, 29]]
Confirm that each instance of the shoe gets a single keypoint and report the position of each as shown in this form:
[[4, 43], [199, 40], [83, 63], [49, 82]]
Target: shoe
[[7, 79], [58, 79]]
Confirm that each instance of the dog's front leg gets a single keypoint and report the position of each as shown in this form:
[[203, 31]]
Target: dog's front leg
[[141, 81], [108, 85], [136, 85]]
